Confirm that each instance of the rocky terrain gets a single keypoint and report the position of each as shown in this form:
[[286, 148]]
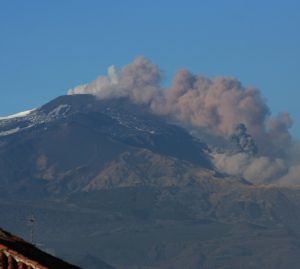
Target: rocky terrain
[[109, 181]]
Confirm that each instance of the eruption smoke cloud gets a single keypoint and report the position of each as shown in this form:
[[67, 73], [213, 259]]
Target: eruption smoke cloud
[[212, 106]]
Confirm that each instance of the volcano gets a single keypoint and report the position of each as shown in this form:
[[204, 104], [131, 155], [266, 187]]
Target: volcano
[[137, 191]]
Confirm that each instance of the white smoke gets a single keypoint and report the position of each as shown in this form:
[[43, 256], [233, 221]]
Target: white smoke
[[214, 107], [103, 86], [78, 89], [112, 74], [139, 81]]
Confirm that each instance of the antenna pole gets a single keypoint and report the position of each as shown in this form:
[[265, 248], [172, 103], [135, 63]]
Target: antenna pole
[[31, 223]]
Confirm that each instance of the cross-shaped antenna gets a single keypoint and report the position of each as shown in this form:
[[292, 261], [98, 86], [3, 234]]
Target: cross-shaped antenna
[[31, 223]]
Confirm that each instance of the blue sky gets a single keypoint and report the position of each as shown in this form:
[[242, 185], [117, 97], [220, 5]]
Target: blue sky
[[49, 46]]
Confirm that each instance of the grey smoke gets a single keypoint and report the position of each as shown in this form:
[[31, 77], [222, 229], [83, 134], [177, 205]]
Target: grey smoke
[[213, 106], [293, 174], [242, 141], [254, 169], [261, 169]]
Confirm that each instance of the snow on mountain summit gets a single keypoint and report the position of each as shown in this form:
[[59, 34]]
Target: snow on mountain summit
[[27, 119], [18, 115]]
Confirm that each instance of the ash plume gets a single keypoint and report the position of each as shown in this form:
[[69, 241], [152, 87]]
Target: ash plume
[[220, 107], [260, 169], [242, 141], [293, 174]]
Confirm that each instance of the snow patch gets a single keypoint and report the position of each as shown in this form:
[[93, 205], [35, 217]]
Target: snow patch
[[17, 115], [61, 109], [9, 132]]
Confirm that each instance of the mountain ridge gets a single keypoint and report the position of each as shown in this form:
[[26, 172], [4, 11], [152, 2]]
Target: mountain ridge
[[137, 191], [89, 130]]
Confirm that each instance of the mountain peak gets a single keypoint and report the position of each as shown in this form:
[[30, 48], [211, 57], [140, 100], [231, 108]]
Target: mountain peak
[[78, 139]]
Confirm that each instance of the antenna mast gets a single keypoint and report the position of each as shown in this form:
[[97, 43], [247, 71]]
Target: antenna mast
[[31, 224]]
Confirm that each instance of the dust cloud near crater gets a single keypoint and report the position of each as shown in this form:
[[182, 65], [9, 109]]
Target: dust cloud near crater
[[214, 107]]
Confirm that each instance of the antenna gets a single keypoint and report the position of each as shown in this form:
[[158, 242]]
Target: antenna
[[31, 224]]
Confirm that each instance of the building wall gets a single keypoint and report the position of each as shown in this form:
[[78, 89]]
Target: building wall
[[10, 259]]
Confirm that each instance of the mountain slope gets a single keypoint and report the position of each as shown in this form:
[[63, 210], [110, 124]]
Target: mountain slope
[[137, 192], [66, 144]]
